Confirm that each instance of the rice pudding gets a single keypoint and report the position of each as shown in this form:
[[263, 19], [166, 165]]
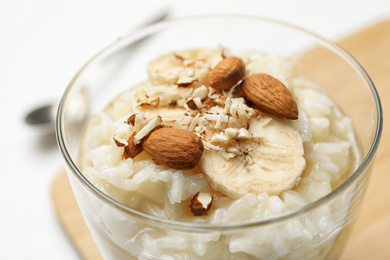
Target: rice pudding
[[213, 137]]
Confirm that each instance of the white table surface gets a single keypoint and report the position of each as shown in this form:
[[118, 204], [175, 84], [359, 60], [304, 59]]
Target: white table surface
[[44, 42]]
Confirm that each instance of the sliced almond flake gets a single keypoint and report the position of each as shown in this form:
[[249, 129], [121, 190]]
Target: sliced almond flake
[[228, 134], [176, 124], [215, 117], [186, 83], [122, 130], [191, 113], [228, 103], [147, 129], [165, 101], [221, 119], [234, 123], [185, 93], [120, 142], [190, 104], [131, 120], [243, 121], [201, 203], [238, 107], [201, 92], [250, 112], [215, 110], [219, 138], [230, 91], [231, 133], [213, 93], [198, 102], [209, 132], [121, 138], [186, 120], [194, 122], [232, 106], [203, 74], [204, 198], [139, 121], [200, 129], [244, 134], [150, 102], [209, 146], [172, 75], [186, 76]]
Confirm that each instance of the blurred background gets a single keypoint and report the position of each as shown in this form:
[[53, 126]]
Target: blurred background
[[43, 43]]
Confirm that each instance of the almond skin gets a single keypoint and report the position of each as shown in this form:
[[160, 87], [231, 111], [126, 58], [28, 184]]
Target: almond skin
[[175, 148], [270, 95], [227, 73], [198, 208], [131, 120], [131, 149]]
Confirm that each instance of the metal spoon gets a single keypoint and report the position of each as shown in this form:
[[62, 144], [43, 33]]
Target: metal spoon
[[43, 118]]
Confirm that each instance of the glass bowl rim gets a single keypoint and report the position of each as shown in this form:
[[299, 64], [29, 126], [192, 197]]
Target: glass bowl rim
[[233, 225]]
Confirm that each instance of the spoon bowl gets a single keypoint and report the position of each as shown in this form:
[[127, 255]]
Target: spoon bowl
[[42, 118]]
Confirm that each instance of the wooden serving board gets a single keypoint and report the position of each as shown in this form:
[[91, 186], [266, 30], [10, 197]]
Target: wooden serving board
[[370, 237]]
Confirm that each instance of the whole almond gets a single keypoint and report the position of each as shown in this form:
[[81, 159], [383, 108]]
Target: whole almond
[[270, 95], [175, 148], [227, 73]]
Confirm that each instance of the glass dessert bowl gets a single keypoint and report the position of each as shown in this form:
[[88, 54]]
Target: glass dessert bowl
[[142, 205]]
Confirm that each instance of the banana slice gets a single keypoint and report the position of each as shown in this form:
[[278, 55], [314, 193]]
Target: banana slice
[[184, 67], [271, 161]]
